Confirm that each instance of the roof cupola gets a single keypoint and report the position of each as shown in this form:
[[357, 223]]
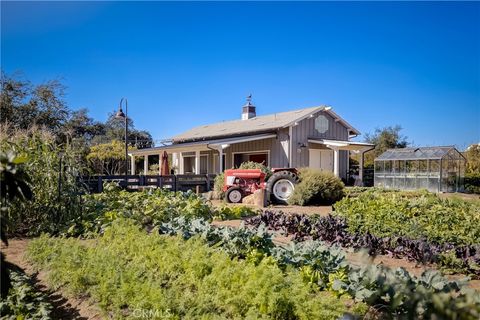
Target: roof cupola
[[248, 110]]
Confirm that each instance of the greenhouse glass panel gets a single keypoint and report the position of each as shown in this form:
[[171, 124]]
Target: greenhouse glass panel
[[433, 168], [388, 167]]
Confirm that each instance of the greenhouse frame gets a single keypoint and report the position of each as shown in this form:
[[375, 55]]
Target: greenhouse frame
[[437, 169]]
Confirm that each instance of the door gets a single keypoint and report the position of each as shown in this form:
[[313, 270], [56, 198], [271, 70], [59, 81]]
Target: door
[[320, 159]]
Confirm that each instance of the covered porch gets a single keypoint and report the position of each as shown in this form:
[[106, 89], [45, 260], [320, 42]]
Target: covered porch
[[338, 145], [200, 157]]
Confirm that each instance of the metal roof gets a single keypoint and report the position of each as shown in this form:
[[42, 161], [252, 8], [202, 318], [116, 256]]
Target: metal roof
[[265, 123], [421, 153], [204, 144]]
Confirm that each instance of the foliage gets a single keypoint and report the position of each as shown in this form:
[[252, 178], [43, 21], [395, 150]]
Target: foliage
[[417, 216], [256, 165], [383, 139], [24, 301], [56, 190], [218, 185], [128, 270], [473, 159], [148, 208], [234, 212], [14, 185], [335, 230], [472, 183], [108, 158], [24, 105], [316, 187]]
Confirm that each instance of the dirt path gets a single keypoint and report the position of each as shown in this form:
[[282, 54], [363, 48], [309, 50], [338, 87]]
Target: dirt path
[[65, 307], [357, 259]]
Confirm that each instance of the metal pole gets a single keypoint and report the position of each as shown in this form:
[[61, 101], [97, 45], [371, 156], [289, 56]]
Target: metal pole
[[126, 143]]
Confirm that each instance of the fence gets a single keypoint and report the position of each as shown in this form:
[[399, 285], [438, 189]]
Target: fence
[[179, 182]]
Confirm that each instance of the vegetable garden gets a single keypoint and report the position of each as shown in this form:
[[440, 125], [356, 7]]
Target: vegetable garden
[[157, 253]]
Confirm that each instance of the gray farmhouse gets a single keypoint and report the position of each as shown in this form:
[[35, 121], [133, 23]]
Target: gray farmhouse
[[313, 137]]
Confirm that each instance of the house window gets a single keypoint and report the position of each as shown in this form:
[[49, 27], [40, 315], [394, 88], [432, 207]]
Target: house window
[[258, 157]]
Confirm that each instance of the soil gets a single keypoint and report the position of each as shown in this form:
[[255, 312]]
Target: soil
[[65, 307]]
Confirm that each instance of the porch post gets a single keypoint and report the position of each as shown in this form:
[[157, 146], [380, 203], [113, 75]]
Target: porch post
[[175, 161], [336, 160], [181, 164], [197, 162], [145, 164], [220, 160], [360, 168], [132, 165]]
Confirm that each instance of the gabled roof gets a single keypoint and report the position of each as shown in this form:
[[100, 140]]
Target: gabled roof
[[266, 123], [420, 153]]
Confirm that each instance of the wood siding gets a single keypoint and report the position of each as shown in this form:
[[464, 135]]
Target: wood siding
[[305, 129]]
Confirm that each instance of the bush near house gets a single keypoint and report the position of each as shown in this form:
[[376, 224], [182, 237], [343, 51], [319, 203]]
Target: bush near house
[[472, 182], [316, 188]]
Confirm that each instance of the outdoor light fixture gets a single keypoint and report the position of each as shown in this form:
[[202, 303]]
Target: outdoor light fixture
[[300, 147], [121, 115]]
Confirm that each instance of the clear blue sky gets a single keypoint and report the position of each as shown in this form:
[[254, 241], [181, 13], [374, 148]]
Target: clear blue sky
[[187, 64]]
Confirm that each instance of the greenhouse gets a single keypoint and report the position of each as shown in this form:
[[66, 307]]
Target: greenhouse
[[437, 169]]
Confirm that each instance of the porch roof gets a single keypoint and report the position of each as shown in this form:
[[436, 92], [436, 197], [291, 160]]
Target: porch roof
[[343, 145], [204, 145]]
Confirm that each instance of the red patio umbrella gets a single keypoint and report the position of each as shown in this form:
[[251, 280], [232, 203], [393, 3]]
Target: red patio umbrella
[[165, 169]]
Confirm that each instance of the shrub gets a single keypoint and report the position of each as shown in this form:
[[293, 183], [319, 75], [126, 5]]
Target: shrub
[[316, 187], [127, 270], [472, 183], [218, 185]]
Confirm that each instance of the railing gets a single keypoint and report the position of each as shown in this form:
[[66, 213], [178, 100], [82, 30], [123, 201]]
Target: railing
[[179, 182]]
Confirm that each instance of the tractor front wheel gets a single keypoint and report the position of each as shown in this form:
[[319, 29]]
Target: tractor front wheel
[[280, 186], [233, 195]]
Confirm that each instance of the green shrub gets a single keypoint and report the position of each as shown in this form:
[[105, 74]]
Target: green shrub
[[472, 183], [316, 187], [218, 185], [417, 215], [126, 269]]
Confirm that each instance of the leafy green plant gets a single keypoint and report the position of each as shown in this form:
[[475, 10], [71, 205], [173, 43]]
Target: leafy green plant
[[316, 187], [23, 300], [418, 215], [234, 212], [127, 269], [53, 170], [218, 185], [147, 208]]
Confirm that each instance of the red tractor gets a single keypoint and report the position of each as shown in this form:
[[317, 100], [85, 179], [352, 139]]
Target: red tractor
[[240, 183]]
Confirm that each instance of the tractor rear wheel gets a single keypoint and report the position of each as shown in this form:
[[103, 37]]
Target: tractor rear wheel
[[280, 186], [233, 195]]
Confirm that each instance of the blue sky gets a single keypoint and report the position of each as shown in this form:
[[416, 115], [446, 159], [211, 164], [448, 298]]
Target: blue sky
[[191, 63]]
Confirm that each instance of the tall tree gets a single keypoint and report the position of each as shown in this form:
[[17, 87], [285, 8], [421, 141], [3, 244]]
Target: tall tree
[[473, 158], [383, 139]]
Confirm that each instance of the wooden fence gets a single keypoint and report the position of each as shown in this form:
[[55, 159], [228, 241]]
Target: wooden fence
[[179, 182]]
